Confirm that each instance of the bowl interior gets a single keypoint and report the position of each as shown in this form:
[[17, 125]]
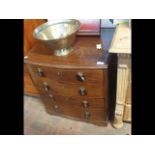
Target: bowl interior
[[52, 31]]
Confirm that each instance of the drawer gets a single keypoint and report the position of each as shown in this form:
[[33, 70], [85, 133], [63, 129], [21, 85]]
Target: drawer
[[74, 107], [71, 90], [69, 76], [84, 103], [91, 115], [86, 115]]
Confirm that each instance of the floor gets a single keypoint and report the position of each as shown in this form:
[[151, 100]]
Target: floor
[[38, 122]]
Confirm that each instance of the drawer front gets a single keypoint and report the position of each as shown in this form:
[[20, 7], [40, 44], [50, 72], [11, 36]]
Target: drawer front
[[71, 90], [96, 116], [76, 110], [85, 115], [92, 110], [69, 76], [83, 103]]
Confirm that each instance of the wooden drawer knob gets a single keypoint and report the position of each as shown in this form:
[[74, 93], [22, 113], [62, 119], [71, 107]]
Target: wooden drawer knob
[[87, 115], [52, 97], [85, 104], [80, 76], [83, 91], [40, 72], [56, 108], [46, 86]]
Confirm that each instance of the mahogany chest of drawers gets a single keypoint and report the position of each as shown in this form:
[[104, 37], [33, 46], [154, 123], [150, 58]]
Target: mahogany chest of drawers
[[74, 86]]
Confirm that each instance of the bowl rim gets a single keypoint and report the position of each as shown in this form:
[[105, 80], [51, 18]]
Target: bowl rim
[[54, 22]]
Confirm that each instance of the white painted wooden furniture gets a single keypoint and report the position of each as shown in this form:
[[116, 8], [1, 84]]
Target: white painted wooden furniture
[[121, 44]]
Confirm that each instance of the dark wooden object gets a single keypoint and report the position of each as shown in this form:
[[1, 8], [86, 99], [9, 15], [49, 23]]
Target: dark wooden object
[[75, 86]]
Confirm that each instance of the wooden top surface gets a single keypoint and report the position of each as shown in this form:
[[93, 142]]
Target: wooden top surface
[[121, 42], [84, 55]]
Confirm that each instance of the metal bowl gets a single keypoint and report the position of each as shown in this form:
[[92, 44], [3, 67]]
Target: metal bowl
[[58, 35]]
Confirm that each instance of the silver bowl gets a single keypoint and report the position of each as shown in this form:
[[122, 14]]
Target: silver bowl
[[58, 35]]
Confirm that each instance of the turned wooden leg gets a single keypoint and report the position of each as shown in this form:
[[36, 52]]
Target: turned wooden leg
[[124, 63]]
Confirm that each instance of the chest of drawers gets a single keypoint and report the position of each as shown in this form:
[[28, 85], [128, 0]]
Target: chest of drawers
[[75, 86]]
